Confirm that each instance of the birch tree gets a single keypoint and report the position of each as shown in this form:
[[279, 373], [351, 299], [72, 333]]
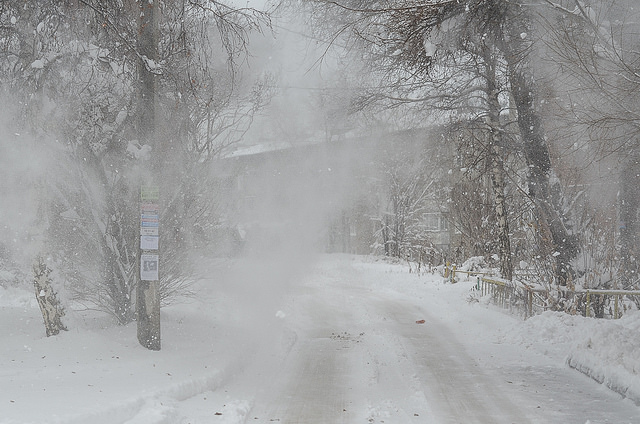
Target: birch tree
[[52, 311]]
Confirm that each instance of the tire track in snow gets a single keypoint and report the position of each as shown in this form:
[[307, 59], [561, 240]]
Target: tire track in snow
[[346, 367], [456, 388], [313, 385]]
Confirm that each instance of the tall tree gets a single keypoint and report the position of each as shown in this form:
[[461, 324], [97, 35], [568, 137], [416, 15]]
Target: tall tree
[[517, 44], [71, 66], [409, 39], [596, 46]]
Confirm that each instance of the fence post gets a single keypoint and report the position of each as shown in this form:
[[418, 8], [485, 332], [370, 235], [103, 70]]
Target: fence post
[[586, 312], [615, 308], [507, 296]]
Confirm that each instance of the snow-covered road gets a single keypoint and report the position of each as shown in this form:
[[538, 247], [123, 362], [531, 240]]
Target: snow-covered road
[[387, 368], [337, 340], [357, 351]]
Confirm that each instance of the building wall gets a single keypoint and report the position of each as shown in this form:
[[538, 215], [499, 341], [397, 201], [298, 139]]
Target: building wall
[[330, 189]]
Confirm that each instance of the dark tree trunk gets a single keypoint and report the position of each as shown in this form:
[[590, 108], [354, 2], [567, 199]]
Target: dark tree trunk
[[546, 197]]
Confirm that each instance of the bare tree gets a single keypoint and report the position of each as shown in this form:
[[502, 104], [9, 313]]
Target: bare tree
[[408, 41], [72, 65], [406, 188], [596, 47]]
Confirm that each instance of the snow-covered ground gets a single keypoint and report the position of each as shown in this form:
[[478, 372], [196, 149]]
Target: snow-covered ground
[[337, 339]]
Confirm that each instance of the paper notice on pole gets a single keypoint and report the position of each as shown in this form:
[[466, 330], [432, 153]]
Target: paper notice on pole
[[149, 208], [149, 242], [149, 193], [149, 267], [148, 231]]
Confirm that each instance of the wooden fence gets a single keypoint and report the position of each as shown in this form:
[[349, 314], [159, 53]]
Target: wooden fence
[[534, 299]]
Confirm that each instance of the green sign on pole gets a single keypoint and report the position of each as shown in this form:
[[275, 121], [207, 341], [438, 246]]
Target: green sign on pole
[[149, 193]]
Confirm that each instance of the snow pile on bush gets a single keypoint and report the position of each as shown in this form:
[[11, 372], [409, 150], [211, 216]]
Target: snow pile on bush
[[610, 354], [552, 330], [475, 263], [606, 350]]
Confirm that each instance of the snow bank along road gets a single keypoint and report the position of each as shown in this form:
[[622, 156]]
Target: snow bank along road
[[356, 350], [341, 341]]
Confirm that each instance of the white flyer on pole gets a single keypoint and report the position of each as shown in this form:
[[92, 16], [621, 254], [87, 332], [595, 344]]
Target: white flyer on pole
[[149, 267], [149, 242]]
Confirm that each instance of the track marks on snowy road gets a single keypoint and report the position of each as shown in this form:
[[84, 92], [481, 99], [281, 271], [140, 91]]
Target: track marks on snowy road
[[345, 367], [362, 358], [359, 355], [313, 384], [317, 391], [354, 350], [455, 387]]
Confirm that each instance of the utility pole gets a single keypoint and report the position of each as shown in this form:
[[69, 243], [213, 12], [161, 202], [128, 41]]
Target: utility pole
[[148, 293]]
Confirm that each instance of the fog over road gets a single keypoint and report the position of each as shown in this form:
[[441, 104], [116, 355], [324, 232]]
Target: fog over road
[[354, 350]]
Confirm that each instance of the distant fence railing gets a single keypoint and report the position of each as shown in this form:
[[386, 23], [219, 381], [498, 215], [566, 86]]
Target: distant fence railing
[[450, 272], [534, 299], [508, 294]]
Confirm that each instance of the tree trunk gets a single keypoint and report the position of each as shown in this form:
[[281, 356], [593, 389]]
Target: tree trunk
[[52, 311], [386, 238], [119, 287], [148, 307], [498, 188], [628, 209], [118, 245], [497, 165], [546, 197]]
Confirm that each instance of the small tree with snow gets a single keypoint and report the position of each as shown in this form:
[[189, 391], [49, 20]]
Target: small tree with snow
[[52, 311]]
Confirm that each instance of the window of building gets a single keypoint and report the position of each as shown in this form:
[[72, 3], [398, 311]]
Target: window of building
[[435, 222]]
